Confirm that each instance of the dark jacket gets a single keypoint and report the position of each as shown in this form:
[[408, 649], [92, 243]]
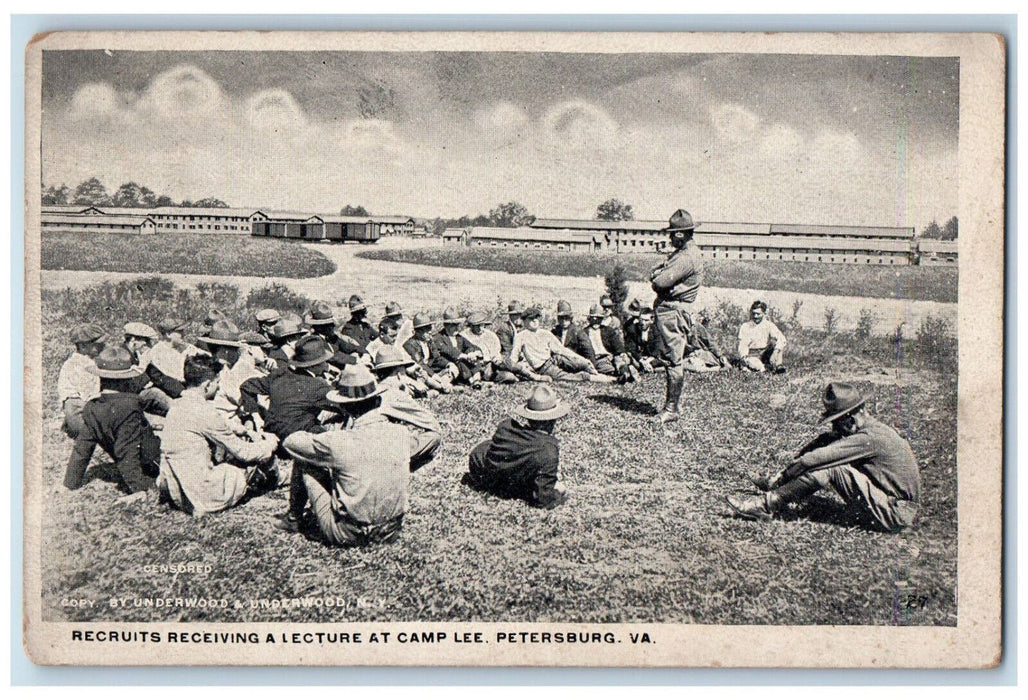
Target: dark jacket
[[429, 360], [505, 332], [115, 421], [519, 462], [295, 400], [611, 338], [449, 349], [636, 345], [570, 338], [354, 336]]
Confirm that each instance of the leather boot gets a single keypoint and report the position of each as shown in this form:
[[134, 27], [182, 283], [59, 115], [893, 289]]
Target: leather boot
[[672, 401]]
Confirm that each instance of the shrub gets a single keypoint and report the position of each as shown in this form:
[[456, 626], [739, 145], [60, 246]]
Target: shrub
[[935, 344], [728, 317], [865, 324], [831, 320], [616, 282], [276, 296]]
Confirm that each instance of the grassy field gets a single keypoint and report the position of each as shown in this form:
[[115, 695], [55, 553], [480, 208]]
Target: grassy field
[[644, 537], [182, 253], [923, 283]]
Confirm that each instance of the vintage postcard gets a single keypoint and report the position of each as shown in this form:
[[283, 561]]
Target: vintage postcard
[[514, 349]]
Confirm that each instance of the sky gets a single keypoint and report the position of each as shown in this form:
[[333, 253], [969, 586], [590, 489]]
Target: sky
[[730, 137]]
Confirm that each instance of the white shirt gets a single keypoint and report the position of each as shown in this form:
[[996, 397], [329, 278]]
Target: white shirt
[[755, 337], [75, 381], [170, 361], [596, 339], [488, 342]]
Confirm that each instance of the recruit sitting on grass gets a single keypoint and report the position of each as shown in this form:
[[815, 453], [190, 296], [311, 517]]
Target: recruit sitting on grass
[[437, 372], [522, 460], [493, 364], [395, 369], [223, 341], [604, 346], [641, 339], [861, 459], [114, 420], [761, 344], [467, 358], [676, 282], [205, 466], [77, 381], [548, 360], [160, 388], [356, 479]]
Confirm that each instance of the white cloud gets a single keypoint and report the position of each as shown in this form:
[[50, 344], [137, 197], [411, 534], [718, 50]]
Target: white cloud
[[274, 110], [580, 124], [735, 123]]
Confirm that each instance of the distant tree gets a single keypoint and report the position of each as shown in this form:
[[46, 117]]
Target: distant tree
[[133, 195], [92, 191], [56, 195], [438, 226], [949, 231], [349, 210], [932, 230], [164, 201], [616, 282], [186, 203], [509, 215], [210, 203], [614, 210]]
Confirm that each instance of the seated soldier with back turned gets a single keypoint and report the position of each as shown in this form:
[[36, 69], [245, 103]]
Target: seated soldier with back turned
[[356, 479], [114, 420], [522, 460]]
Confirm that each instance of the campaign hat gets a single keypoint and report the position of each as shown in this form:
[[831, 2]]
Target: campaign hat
[[356, 303], [213, 316], [115, 362], [635, 307], [532, 312], [421, 320], [87, 333], [544, 404], [515, 308], [839, 400], [355, 383], [477, 318], [681, 220], [222, 333], [171, 324], [564, 309], [393, 309], [310, 351], [597, 311], [391, 356], [285, 328], [320, 314], [268, 316], [254, 338], [450, 316], [141, 330]]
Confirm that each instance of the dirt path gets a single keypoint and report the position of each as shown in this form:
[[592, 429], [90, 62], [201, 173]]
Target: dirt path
[[423, 286]]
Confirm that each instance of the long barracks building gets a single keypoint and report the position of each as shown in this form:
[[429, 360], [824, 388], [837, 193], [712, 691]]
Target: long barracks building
[[872, 245]]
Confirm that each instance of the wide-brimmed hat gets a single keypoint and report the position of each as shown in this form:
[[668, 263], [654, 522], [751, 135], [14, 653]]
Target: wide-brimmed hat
[[681, 220], [356, 303], [477, 318], [268, 316], [450, 316], [544, 404], [606, 302], [222, 333], [421, 320], [356, 383], [840, 399], [393, 309], [319, 315], [87, 333], [171, 324], [310, 351], [255, 338], [341, 359], [597, 311], [115, 362], [141, 330], [564, 309], [635, 307], [285, 328], [532, 312], [391, 356], [213, 316], [515, 308]]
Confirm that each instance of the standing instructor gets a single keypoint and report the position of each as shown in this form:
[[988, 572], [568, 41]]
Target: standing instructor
[[676, 282]]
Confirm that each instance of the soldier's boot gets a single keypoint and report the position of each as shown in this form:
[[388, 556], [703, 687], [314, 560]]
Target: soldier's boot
[[764, 506], [672, 401]]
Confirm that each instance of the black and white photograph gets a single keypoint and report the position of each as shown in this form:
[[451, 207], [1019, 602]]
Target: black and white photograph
[[514, 349]]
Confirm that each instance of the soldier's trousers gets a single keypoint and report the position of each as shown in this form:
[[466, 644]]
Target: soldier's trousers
[[853, 486]]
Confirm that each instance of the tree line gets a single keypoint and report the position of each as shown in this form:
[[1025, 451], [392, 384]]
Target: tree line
[[947, 232], [131, 195]]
